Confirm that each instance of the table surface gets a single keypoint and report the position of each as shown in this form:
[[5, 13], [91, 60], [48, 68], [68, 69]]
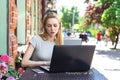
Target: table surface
[[92, 74]]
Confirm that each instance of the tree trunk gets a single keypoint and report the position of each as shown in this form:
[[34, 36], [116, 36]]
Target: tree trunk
[[116, 41]]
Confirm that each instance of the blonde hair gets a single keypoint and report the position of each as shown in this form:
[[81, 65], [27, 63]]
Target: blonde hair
[[58, 38]]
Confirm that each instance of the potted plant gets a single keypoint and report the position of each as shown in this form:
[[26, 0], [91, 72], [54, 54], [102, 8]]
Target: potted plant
[[7, 72]]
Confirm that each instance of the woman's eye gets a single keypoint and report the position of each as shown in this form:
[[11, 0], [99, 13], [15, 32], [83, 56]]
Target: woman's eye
[[48, 25], [55, 25]]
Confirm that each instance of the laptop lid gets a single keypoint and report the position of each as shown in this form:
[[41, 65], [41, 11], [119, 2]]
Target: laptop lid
[[71, 58]]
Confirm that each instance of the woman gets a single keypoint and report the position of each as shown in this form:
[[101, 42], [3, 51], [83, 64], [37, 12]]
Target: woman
[[40, 48]]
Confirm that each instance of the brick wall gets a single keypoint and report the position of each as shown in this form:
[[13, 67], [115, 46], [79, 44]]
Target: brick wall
[[13, 13], [28, 20], [28, 17], [13, 19], [40, 6]]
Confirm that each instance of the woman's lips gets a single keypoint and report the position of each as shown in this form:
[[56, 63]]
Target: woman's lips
[[52, 32]]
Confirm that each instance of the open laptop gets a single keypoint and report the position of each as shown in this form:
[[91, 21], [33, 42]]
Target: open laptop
[[72, 41], [71, 58]]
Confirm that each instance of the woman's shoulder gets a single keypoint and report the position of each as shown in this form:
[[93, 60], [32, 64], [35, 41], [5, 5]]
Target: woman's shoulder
[[36, 37]]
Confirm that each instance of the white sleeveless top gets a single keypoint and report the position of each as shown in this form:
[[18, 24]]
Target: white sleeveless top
[[43, 49]]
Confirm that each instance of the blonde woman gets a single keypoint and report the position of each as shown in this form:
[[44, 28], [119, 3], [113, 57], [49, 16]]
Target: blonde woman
[[40, 47]]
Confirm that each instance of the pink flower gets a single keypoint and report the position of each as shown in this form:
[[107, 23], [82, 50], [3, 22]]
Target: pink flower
[[3, 69], [3, 64], [21, 70], [10, 78], [5, 58]]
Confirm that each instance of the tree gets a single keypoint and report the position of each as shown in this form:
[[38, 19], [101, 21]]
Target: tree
[[106, 13], [111, 18], [68, 15], [93, 14]]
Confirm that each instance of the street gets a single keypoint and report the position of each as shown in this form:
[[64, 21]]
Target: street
[[105, 60]]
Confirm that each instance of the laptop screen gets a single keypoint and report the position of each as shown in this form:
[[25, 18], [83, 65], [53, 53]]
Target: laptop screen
[[72, 58]]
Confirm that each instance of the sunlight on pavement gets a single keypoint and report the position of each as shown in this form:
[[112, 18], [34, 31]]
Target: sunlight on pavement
[[108, 67], [105, 60]]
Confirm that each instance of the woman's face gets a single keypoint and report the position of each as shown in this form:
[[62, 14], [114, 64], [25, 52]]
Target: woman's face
[[52, 26]]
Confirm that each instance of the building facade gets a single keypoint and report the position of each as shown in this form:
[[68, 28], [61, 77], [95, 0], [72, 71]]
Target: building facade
[[20, 19]]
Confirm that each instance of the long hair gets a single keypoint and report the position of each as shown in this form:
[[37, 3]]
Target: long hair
[[58, 38]]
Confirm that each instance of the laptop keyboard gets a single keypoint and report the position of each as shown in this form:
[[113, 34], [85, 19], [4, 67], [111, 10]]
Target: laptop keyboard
[[91, 75]]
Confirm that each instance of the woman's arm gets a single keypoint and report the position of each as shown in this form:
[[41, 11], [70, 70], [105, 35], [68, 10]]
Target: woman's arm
[[26, 62]]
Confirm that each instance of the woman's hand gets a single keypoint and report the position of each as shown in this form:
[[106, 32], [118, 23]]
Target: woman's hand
[[46, 63]]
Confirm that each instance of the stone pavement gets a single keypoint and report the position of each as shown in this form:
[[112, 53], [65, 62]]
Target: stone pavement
[[105, 60]]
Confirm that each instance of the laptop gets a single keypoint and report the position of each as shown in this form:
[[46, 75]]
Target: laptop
[[72, 41], [70, 58]]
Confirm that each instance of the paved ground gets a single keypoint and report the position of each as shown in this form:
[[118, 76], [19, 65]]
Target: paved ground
[[105, 60]]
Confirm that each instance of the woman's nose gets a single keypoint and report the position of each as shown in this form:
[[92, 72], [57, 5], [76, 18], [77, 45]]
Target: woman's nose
[[52, 28]]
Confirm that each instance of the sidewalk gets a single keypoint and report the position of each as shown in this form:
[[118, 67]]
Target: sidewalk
[[105, 60], [108, 63]]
